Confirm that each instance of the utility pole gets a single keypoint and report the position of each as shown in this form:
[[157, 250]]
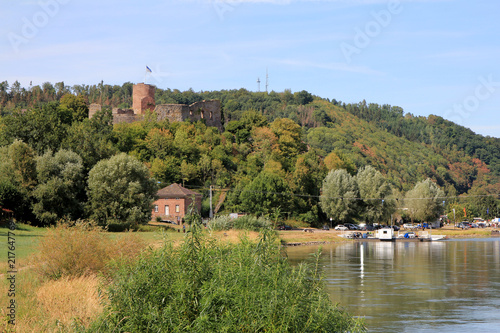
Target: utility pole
[[211, 215]]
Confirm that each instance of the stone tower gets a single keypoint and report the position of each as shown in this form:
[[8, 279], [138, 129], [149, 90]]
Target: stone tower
[[143, 98]]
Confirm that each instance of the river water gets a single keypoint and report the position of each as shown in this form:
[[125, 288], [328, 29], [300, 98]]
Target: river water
[[443, 286]]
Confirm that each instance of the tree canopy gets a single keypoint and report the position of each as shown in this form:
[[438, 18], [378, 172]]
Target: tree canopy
[[120, 191]]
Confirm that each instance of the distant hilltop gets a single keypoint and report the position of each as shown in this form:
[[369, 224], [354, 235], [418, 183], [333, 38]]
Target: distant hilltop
[[143, 99]]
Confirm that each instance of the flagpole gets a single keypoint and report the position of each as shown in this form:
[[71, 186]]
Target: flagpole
[[148, 70]]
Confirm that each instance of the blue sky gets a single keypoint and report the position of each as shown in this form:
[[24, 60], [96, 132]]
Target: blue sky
[[428, 57]]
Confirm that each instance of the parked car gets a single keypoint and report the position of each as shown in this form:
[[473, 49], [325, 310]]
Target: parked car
[[325, 227], [464, 225], [409, 226], [395, 227], [351, 226], [341, 227], [368, 227], [285, 227]]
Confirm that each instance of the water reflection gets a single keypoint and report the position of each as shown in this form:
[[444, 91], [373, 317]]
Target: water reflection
[[450, 286]]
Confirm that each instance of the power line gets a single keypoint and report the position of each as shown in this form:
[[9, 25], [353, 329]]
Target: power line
[[343, 198]]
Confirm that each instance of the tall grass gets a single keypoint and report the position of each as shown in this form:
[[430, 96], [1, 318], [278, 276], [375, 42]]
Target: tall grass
[[206, 286], [82, 250], [246, 222]]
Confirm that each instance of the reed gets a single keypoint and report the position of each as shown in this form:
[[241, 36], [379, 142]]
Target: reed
[[208, 286]]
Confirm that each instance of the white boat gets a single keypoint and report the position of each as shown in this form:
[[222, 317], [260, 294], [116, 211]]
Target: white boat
[[385, 234], [427, 236], [407, 235]]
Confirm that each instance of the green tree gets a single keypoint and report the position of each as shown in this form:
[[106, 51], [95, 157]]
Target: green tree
[[18, 179], [374, 189], [92, 139], [266, 194], [41, 128], [166, 170], [339, 198], [337, 160], [120, 191], [76, 106], [60, 190], [425, 201], [303, 97], [289, 145]]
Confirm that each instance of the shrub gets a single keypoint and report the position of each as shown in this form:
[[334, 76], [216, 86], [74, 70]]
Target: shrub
[[204, 286], [247, 222], [223, 222], [82, 249]]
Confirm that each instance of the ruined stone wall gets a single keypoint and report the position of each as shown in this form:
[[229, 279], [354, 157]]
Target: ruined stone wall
[[125, 116], [172, 112], [93, 109], [209, 111], [143, 98]]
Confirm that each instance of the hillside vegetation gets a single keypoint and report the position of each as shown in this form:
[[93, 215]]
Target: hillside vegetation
[[281, 144]]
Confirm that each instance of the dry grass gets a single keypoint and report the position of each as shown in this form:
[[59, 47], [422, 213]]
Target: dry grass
[[299, 236], [55, 306], [70, 299], [234, 236], [82, 250]]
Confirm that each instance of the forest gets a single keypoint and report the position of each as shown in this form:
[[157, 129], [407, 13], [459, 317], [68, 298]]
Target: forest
[[273, 156]]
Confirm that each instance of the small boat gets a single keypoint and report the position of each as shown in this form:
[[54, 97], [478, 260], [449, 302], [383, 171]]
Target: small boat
[[385, 234], [407, 235], [428, 237]]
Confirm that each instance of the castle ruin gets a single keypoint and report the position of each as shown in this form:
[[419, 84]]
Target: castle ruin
[[143, 99]]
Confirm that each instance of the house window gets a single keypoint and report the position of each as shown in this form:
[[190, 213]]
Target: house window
[[167, 210], [156, 208], [177, 209]]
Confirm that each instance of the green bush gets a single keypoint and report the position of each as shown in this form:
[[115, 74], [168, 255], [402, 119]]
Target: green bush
[[219, 223], [205, 286], [247, 222]]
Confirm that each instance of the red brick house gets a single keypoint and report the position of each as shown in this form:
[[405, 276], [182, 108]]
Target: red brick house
[[173, 203]]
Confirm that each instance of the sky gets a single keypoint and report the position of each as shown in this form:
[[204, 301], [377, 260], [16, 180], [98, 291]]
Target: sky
[[427, 56]]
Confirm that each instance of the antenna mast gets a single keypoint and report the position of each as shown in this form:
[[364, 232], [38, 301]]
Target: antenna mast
[[267, 80], [258, 84]]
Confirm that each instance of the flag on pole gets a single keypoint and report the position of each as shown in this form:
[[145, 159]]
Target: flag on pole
[[149, 69], [465, 213]]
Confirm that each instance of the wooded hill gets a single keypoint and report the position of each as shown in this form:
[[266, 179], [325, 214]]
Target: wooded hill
[[295, 136]]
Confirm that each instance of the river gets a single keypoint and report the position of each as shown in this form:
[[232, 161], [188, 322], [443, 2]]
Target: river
[[443, 286]]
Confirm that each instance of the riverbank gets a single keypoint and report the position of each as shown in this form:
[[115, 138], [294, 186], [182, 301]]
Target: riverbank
[[319, 236]]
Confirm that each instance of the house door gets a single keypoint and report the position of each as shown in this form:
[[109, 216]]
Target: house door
[[167, 210]]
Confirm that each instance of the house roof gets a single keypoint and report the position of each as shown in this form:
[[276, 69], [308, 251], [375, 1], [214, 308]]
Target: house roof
[[176, 191]]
